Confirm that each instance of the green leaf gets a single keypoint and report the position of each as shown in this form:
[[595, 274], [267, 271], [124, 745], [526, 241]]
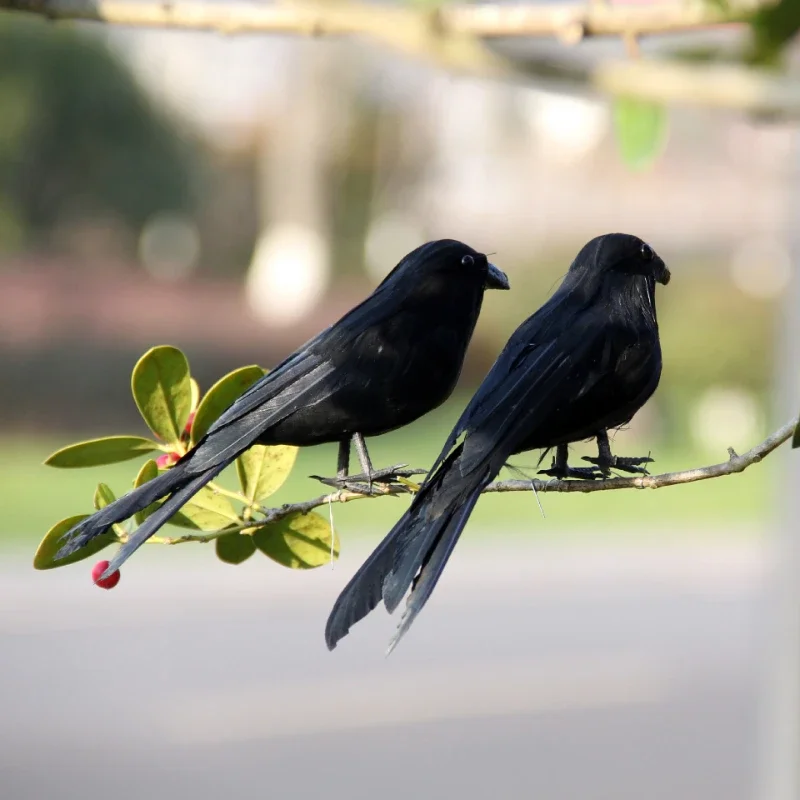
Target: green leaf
[[162, 389], [235, 548], [52, 543], [263, 470], [299, 541], [148, 471], [221, 396], [98, 452], [195, 393], [103, 496], [206, 511], [641, 130]]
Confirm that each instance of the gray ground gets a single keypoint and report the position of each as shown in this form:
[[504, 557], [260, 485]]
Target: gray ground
[[534, 672]]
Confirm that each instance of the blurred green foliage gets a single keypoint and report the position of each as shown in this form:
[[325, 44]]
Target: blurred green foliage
[[774, 26], [78, 137], [641, 130]]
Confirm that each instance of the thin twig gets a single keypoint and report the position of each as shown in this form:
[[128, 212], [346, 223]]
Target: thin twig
[[734, 464], [281, 512], [484, 20], [454, 36]]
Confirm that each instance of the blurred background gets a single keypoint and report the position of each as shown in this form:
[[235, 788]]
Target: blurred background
[[232, 196]]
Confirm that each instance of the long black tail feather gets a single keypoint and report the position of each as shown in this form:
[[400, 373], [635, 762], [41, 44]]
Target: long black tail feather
[[414, 552], [159, 517], [121, 509]]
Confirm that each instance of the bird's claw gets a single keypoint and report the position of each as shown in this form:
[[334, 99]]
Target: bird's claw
[[578, 473], [622, 463], [387, 474], [363, 483]]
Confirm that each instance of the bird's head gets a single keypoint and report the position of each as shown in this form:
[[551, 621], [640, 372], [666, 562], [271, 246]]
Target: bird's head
[[620, 254], [451, 261]]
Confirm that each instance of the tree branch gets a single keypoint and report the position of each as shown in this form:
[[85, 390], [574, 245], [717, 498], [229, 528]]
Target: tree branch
[[734, 464], [567, 21], [708, 85], [453, 37], [572, 22]]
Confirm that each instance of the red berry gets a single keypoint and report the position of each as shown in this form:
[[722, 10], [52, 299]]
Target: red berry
[[106, 583], [188, 428], [167, 460]]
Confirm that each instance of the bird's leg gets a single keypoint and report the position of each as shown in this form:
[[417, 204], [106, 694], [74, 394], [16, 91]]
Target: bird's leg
[[384, 475], [606, 461], [363, 455], [364, 480], [343, 461], [561, 469]]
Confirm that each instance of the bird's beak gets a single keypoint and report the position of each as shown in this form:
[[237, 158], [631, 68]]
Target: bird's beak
[[496, 279], [663, 275]]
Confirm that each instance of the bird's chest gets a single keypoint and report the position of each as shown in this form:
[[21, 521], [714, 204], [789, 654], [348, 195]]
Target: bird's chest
[[622, 377]]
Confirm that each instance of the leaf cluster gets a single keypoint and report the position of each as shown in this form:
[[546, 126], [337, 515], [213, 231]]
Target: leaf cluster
[[170, 402]]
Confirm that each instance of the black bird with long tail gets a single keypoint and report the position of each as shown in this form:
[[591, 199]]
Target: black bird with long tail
[[389, 361], [582, 365]]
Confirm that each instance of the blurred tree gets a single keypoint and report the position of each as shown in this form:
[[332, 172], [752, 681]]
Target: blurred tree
[[78, 138]]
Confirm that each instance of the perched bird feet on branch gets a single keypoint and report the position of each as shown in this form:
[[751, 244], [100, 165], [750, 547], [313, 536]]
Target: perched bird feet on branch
[[605, 461], [561, 470], [578, 473], [364, 483], [623, 463], [364, 480]]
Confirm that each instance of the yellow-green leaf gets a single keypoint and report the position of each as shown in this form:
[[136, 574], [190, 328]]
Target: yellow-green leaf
[[221, 396], [263, 470], [641, 131], [148, 471], [235, 548], [299, 541], [195, 386], [98, 452], [206, 511], [52, 543], [103, 496], [162, 390]]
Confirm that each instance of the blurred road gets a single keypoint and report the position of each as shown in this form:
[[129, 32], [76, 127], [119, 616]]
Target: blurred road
[[627, 673]]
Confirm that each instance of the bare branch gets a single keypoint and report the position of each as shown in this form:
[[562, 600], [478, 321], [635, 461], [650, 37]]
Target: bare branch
[[572, 22], [281, 512], [563, 20], [453, 37], [709, 85], [734, 464]]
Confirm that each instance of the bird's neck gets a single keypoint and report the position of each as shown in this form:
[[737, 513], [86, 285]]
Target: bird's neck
[[628, 299]]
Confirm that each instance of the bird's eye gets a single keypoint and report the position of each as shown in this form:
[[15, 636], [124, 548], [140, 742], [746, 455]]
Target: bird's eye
[[647, 252], [467, 261]]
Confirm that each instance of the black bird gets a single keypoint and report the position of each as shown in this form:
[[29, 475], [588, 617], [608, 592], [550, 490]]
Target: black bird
[[389, 361], [584, 363]]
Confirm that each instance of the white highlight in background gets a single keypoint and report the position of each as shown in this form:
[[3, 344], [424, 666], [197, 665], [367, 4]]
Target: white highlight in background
[[289, 274]]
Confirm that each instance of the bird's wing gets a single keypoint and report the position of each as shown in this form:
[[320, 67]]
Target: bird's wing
[[310, 375], [553, 357], [530, 381]]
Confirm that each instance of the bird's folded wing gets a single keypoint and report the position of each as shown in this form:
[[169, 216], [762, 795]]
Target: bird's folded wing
[[302, 381], [512, 405]]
